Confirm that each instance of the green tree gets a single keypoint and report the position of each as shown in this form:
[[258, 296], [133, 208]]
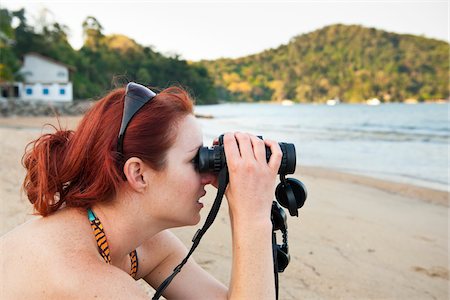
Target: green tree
[[9, 64], [351, 62]]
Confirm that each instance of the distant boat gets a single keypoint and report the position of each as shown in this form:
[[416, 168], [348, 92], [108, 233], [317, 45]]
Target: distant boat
[[373, 101], [333, 101], [287, 102], [410, 101], [204, 116]]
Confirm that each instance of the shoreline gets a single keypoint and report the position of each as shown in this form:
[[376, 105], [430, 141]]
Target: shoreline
[[35, 125], [426, 194]]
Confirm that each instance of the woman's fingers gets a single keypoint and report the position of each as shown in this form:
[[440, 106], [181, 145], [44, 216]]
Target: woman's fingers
[[245, 145], [275, 157], [231, 149], [259, 149]]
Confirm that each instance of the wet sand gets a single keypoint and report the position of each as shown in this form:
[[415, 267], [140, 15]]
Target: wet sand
[[355, 238]]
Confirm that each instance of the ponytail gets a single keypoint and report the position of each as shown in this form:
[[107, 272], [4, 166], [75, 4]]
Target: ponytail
[[43, 164]]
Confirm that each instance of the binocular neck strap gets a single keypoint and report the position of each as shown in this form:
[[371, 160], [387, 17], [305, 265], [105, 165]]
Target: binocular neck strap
[[223, 182], [275, 262]]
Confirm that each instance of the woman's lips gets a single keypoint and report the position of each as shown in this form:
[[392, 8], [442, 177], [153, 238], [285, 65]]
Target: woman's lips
[[198, 201]]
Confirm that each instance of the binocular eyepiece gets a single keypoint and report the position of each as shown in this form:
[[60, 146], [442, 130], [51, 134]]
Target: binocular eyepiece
[[213, 159]]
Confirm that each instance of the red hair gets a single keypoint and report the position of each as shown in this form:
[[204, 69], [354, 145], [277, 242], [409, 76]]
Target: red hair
[[79, 168]]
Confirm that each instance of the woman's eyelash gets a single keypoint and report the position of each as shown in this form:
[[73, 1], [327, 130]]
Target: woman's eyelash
[[194, 160]]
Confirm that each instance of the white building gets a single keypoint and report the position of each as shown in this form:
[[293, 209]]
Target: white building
[[44, 79]]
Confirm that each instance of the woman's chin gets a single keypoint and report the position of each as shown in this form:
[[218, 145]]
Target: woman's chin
[[194, 220]]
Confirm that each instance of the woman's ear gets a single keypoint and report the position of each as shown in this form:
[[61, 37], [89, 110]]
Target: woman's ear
[[134, 169]]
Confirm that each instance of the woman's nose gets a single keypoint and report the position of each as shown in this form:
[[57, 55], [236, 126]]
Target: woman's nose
[[207, 178]]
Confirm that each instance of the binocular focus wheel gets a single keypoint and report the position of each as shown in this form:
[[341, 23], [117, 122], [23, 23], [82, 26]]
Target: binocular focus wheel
[[292, 195]]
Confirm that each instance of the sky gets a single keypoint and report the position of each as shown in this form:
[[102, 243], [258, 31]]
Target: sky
[[197, 30]]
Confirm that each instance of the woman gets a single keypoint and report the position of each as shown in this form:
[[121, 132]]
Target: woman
[[108, 192]]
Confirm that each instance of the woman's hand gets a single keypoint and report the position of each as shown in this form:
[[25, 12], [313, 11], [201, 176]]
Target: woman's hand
[[252, 179], [249, 194]]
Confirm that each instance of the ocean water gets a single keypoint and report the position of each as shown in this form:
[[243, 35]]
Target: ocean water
[[398, 142]]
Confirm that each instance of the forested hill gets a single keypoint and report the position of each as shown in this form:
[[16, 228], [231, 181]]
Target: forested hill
[[104, 61], [353, 63]]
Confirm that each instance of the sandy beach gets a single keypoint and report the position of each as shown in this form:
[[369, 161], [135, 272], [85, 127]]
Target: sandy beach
[[355, 238]]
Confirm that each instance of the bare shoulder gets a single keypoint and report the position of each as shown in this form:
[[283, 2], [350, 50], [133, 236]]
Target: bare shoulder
[[49, 259], [99, 281], [81, 279]]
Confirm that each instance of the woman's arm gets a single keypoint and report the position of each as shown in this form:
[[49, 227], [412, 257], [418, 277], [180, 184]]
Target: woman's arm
[[252, 274], [193, 282], [249, 194]]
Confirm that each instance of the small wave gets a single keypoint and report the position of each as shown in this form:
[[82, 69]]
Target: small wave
[[382, 135]]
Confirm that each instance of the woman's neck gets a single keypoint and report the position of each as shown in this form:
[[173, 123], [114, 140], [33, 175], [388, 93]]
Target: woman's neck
[[125, 226]]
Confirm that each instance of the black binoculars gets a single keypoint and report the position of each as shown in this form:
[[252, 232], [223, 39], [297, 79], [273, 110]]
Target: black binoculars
[[213, 159], [290, 193]]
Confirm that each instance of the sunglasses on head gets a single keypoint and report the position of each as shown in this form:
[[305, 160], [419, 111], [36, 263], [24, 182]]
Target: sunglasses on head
[[136, 96]]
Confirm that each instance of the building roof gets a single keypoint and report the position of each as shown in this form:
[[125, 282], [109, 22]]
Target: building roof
[[49, 59]]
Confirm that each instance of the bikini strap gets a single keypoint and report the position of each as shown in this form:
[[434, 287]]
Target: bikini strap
[[102, 243], [134, 263], [100, 236]]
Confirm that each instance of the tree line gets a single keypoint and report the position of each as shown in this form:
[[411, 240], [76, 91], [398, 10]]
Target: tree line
[[349, 62], [103, 62]]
